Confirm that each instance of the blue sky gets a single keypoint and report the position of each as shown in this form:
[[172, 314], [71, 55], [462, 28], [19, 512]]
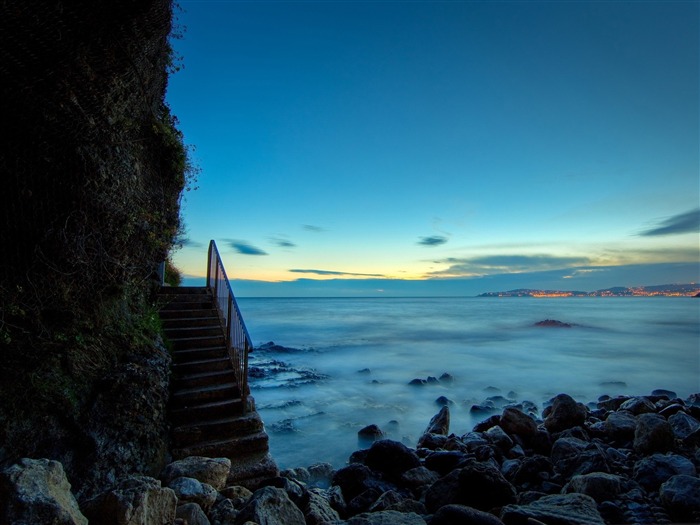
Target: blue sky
[[441, 148]]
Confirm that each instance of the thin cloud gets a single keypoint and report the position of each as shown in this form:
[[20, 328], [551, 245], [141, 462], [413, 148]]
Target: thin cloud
[[688, 222], [282, 243], [331, 272], [312, 228], [434, 240], [244, 248], [498, 264]]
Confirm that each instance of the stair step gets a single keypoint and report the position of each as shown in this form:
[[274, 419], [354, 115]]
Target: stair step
[[197, 343], [196, 396], [190, 322], [227, 448], [189, 355], [212, 410], [184, 332], [175, 314], [201, 304], [178, 290], [201, 366], [228, 427], [204, 379]]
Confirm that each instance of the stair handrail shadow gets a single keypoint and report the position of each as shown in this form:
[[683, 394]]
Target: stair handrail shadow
[[237, 338]]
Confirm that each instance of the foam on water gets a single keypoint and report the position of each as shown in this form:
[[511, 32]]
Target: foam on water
[[341, 364]]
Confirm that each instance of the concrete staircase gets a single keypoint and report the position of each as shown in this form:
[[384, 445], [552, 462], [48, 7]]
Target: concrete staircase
[[206, 410]]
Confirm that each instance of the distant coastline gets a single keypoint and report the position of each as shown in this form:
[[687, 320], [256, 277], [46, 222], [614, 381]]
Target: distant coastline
[[661, 290]]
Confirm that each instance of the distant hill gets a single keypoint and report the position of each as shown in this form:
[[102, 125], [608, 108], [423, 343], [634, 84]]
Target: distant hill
[[661, 290]]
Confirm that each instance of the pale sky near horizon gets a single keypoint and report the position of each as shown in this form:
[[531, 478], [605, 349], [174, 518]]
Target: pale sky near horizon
[[471, 146]]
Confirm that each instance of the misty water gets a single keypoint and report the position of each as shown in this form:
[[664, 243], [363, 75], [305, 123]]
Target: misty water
[[342, 364]]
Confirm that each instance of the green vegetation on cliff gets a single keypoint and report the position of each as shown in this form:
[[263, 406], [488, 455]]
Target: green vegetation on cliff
[[94, 171]]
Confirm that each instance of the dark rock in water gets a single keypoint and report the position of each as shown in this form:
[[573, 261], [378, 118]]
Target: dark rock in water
[[553, 323], [432, 441], [391, 458], [564, 413], [418, 382], [492, 389], [487, 423], [447, 378], [483, 408], [498, 437], [515, 422], [569, 509], [440, 422], [461, 514], [432, 380], [638, 405], [670, 394], [364, 371], [652, 471], [652, 434], [444, 401], [681, 495], [613, 384], [370, 433], [612, 403], [671, 409], [693, 400]]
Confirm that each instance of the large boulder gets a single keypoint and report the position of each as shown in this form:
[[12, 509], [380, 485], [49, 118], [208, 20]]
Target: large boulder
[[354, 479], [652, 471], [192, 514], [318, 510], [461, 515], [37, 491], [681, 495], [190, 490], [386, 517], [559, 509], [271, 506], [620, 426], [212, 471], [572, 456], [598, 485], [478, 485], [518, 423], [136, 500], [653, 434], [638, 405], [565, 413], [440, 422], [683, 424], [391, 458]]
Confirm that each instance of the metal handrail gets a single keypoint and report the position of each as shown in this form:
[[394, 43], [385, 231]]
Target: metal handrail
[[237, 337]]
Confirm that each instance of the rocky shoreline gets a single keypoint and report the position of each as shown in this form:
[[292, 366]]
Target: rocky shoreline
[[629, 459]]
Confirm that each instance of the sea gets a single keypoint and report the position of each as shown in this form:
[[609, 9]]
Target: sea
[[324, 368]]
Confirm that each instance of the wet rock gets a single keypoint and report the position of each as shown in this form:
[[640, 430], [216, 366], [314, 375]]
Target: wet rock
[[620, 426], [532, 470], [37, 491], [271, 505], [662, 392], [446, 378], [652, 471], [387, 517], [370, 433], [223, 513], [553, 323], [572, 456], [353, 480], [483, 408], [391, 458], [516, 422], [432, 441], [363, 501], [432, 380], [638, 405], [318, 509], [440, 422], [137, 500], [190, 490], [213, 471], [652, 434], [487, 423], [445, 461], [598, 485], [386, 500], [681, 495], [478, 485], [237, 495], [565, 413], [683, 424], [320, 474], [498, 437], [564, 509], [461, 514], [192, 514], [417, 382], [612, 403], [444, 401], [417, 479]]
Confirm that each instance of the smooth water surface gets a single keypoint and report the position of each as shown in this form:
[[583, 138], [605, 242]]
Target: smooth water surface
[[342, 364]]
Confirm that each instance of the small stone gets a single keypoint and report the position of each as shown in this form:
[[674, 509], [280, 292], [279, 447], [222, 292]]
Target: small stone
[[194, 491], [213, 471]]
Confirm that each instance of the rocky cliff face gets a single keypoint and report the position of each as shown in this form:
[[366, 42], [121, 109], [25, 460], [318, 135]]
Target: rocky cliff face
[[94, 168]]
